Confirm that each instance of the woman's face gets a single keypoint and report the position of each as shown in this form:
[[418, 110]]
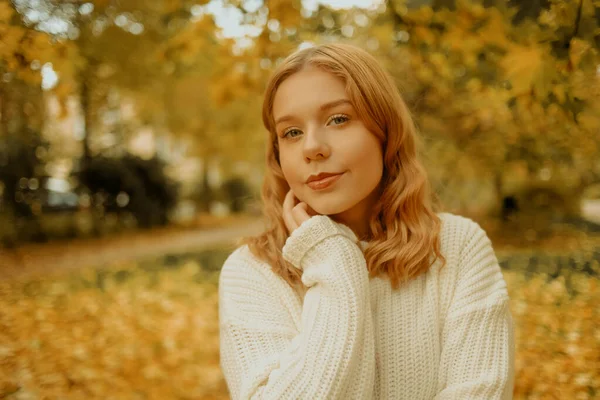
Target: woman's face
[[318, 131]]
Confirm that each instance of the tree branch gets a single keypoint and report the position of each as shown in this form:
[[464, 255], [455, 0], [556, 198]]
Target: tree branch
[[579, 9]]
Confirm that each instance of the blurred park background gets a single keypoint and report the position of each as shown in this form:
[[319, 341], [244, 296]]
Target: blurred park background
[[132, 154]]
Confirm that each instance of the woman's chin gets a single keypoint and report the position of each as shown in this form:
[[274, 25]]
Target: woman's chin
[[325, 210], [328, 206]]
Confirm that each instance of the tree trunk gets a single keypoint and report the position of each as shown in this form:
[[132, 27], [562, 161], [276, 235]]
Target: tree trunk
[[87, 115], [206, 194]]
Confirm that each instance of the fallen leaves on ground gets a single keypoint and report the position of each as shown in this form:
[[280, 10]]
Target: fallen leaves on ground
[[151, 332], [132, 334]]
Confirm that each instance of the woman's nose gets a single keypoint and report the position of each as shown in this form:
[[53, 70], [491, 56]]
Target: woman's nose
[[315, 145]]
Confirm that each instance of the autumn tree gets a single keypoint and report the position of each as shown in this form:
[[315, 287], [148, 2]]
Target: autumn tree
[[23, 52], [512, 91]]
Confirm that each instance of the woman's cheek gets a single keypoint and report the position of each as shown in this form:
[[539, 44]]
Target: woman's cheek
[[286, 175]]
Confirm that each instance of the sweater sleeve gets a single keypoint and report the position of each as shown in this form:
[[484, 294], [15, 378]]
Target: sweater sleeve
[[329, 353], [477, 360]]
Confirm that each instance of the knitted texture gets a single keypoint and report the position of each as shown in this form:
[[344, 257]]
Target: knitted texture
[[447, 334], [310, 233]]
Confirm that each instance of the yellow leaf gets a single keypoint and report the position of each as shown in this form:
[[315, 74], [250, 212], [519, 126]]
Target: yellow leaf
[[521, 66], [424, 35], [6, 11], [495, 30], [589, 121], [559, 92], [422, 15], [577, 49]]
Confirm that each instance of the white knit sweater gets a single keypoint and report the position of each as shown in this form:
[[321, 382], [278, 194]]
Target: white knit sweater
[[448, 334]]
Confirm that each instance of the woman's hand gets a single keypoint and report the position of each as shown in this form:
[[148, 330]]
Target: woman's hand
[[295, 212]]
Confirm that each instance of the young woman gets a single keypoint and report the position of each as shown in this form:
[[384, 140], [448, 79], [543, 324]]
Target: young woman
[[358, 289]]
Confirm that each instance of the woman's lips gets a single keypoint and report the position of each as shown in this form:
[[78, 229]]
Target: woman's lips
[[324, 183]]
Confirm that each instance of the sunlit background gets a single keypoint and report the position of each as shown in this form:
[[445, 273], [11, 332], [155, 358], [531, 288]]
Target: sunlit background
[[132, 154]]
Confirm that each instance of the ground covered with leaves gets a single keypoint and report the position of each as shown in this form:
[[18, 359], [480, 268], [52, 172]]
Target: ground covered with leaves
[[131, 332], [150, 331]]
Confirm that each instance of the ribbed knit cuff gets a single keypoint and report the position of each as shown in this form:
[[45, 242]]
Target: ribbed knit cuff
[[309, 234]]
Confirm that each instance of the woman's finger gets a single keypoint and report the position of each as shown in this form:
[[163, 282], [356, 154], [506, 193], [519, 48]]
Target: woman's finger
[[288, 201], [288, 217], [300, 213]]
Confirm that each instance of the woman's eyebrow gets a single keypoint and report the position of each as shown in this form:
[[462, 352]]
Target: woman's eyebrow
[[323, 107], [334, 103]]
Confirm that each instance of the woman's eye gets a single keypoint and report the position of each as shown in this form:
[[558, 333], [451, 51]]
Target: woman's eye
[[339, 119], [291, 133]]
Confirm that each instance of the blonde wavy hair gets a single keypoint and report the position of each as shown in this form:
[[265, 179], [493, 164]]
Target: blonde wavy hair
[[404, 227]]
